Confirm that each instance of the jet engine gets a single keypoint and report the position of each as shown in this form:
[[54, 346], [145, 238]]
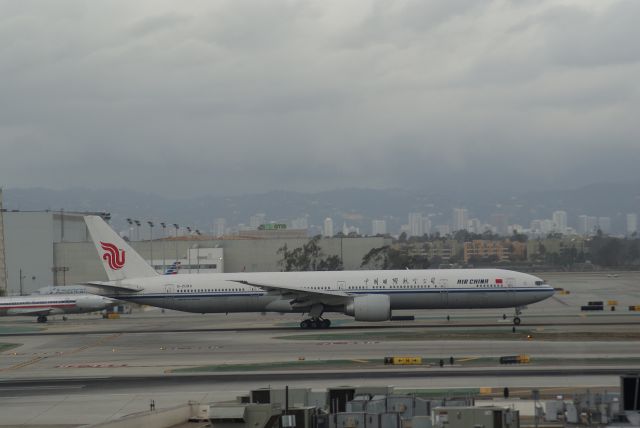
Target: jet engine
[[372, 307]]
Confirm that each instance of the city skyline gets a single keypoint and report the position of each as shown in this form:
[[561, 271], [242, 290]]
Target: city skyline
[[610, 207], [585, 225]]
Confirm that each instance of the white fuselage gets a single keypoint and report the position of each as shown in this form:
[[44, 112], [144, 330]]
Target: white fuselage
[[52, 304], [407, 289]]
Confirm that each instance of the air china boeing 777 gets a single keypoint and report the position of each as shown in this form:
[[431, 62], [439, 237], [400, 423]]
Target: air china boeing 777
[[367, 295]]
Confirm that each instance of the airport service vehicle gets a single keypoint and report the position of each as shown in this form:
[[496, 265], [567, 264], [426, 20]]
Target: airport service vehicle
[[366, 295], [53, 304]]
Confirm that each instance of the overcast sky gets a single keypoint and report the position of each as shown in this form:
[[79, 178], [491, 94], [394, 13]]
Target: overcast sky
[[225, 97]]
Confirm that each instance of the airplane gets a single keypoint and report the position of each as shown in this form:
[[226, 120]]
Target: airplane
[[173, 269], [366, 295], [53, 304]]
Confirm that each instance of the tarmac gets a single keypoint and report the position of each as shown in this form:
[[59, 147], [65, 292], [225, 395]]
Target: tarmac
[[88, 369]]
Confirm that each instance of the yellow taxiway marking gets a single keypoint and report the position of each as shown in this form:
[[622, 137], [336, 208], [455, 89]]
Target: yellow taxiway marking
[[23, 364], [99, 342], [464, 360]]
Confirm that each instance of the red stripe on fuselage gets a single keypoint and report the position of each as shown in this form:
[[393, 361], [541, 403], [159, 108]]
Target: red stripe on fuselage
[[66, 305]]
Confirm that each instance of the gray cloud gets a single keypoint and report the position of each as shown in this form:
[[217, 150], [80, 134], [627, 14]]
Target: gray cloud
[[235, 96]]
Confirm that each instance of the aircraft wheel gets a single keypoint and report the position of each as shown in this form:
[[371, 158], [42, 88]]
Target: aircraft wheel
[[42, 319], [516, 321], [314, 324], [326, 323], [305, 324]]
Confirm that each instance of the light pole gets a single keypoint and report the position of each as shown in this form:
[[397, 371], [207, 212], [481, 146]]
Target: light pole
[[22, 277], [177, 227], [137, 222], [164, 236], [130, 228], [150, 223], [189, 252], [198, 251]]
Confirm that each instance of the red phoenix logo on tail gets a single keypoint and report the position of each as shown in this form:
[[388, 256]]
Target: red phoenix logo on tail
[[113, 255]]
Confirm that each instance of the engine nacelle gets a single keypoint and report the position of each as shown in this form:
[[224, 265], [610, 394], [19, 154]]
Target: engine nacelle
[[372, 307]]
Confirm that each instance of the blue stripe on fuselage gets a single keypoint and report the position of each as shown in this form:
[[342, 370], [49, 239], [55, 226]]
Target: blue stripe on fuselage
[[349, 292]]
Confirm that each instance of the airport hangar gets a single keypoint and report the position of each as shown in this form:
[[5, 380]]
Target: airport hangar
[[44, 248]]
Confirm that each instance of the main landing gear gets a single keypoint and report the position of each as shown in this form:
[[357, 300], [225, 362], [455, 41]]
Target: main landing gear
[[316, 320], [42, 318], [315, 323]]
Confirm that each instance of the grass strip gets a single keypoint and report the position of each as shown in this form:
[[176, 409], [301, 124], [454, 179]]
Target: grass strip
[[377, 363], [502, 334], [7, 346]]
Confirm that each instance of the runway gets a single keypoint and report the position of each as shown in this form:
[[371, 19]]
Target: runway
[[111, 367]]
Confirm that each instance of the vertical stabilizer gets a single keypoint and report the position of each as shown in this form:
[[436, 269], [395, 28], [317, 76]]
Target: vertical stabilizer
[[119, 260]]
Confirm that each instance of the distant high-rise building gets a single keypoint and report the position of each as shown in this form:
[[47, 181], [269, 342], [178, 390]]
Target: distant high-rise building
[[475, 225], [443, 229], [300, 223], [536, 227], [499, 221], [426, 225], [547, 226], [219, 227], [587, 225], [328, 227], [632, 224], [346, 230], [604, 224], [257, 220], [378, 227], [560, 221], [460, 219], [416, 224], [582, 224]]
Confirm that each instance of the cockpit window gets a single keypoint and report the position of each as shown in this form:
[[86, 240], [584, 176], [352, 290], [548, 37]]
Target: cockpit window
[[539, 282]]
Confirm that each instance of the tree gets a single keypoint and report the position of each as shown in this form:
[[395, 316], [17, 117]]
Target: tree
[[330, 263], [309, 257], [518, 237], [376, 258]]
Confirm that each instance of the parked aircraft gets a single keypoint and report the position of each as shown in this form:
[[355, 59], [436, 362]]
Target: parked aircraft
[[367, 295], [53, 304]]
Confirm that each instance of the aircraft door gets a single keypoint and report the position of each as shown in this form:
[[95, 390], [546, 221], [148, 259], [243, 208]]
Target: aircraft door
[[443, 283], [511, 292], [170, 288], [341, 285], [444, 299]]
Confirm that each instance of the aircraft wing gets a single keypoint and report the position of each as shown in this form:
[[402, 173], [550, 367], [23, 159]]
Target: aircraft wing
[[114, 287], [35, 311], [301, 297]]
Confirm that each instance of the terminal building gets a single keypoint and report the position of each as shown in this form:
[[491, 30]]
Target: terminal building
[[47, 248]]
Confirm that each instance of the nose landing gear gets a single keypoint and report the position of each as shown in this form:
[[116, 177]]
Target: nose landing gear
[[516, 318], [42, 318]]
